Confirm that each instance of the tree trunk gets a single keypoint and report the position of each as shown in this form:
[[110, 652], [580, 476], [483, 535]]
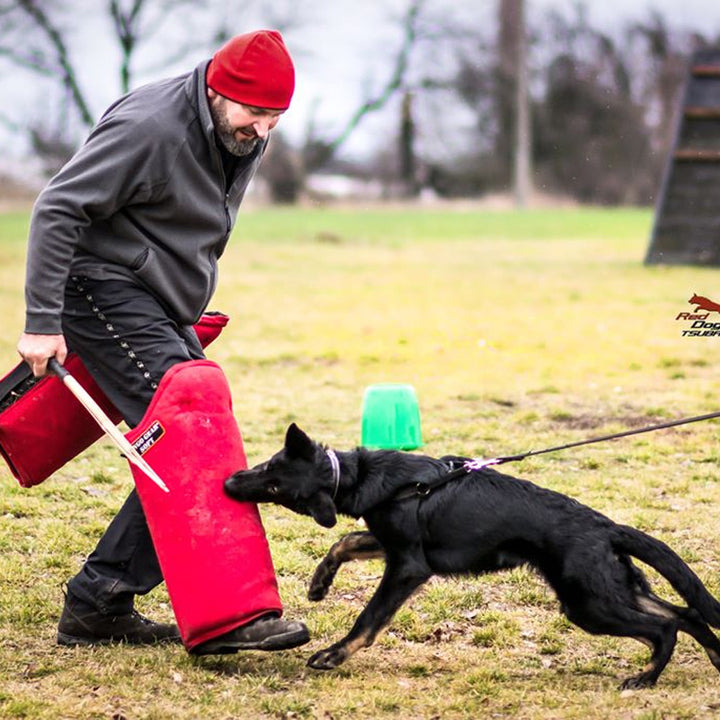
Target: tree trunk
[[408, 164], [514, 134]]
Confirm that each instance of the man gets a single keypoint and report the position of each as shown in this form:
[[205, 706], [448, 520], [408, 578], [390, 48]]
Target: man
[[122, 260]]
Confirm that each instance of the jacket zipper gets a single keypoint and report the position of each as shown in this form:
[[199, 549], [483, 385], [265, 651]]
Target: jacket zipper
[[213, 261]]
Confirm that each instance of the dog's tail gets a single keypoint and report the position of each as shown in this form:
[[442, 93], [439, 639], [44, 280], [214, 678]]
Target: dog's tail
[[672, 567]]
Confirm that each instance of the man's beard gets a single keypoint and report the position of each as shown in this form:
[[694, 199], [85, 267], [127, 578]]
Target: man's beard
[[226, 133]]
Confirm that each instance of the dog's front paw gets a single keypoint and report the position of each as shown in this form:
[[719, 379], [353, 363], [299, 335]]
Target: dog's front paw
[[329, 658], [322, 580], [638, 682], [317, 592]]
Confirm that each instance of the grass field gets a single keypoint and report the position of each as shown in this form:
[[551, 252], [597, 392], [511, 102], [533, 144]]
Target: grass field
[[518, 331]]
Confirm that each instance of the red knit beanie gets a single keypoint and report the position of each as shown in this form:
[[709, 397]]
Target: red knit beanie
[[254, 69]]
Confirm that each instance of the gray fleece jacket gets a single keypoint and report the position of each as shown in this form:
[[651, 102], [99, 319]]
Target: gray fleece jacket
[[144, 199]]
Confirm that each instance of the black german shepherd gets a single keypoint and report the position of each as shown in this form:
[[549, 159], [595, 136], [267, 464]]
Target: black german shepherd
[[431, 516]]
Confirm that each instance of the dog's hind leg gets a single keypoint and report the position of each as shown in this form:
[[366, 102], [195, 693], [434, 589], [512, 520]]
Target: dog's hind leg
[[701, 632], [353, 546], [690, 622], [399, 582], [603, 616], [662, 640]]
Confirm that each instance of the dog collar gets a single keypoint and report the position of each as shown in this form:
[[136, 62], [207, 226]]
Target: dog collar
[[335, 464]]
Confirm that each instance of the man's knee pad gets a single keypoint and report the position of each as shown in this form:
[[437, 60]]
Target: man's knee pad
[[212, 550], [42, 426]]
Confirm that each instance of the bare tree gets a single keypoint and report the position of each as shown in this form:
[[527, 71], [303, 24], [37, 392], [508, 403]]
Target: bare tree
[[32, 38], [127, 30], [34, 35], [38, 35], [318, 151], [592, 135], [140, 23], [665, 63]]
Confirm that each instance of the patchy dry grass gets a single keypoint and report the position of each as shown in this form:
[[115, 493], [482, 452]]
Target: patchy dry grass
[[517, 331]]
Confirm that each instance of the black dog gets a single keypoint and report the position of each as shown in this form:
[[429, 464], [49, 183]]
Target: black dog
[[429, 516]]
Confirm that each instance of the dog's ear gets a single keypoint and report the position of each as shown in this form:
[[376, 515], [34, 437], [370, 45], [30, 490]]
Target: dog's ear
[[322, 510], [298, 444]]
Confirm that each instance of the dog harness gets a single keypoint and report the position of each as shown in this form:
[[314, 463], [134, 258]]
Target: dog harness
[[455, 468]]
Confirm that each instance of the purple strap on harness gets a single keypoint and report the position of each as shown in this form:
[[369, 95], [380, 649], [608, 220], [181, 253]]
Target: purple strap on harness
[[478, 464]]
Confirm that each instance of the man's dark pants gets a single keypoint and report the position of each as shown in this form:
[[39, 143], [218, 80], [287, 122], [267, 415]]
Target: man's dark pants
[[127, 342]]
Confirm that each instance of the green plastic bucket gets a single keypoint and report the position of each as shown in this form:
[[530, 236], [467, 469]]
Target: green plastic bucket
[[390, 417]]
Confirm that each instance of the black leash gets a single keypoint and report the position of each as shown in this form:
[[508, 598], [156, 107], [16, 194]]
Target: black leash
[[461, 468], [602, 438]]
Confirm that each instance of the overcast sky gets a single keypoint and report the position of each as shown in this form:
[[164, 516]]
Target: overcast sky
[[335, 53]]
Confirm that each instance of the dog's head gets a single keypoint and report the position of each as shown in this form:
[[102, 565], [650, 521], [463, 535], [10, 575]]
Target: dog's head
[[298, 477]]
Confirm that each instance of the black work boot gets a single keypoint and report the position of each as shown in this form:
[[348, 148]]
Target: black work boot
[[82, 624], [267, 632]]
